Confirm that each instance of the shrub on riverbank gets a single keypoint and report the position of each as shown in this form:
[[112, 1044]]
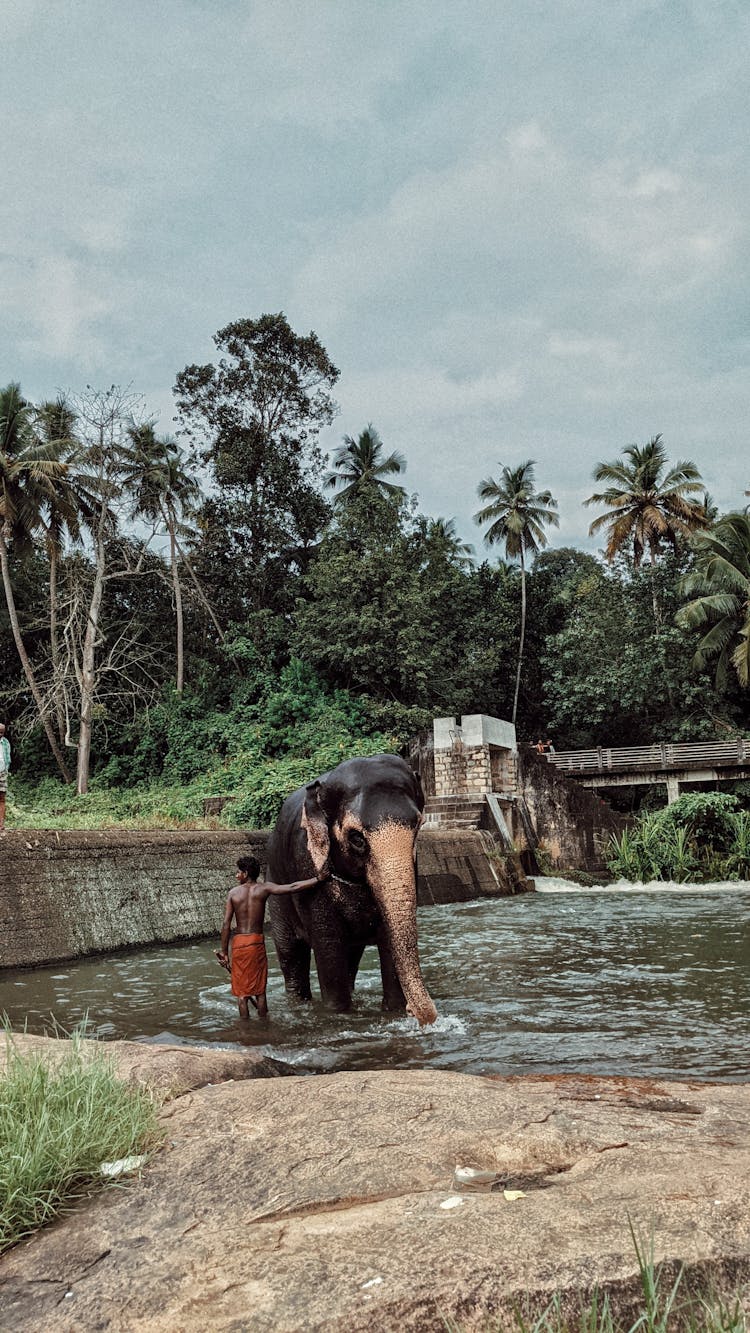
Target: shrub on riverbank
[[280, 733], [60, 1120], [701, 837]]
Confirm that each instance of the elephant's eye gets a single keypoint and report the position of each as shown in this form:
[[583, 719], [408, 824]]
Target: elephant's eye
[[357, 840]]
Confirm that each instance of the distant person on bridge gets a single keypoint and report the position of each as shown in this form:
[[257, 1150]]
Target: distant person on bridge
[[4, 770], [246, 960]]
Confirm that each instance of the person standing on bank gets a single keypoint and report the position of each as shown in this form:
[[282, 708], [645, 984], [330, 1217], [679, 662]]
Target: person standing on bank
[[246, 960], [4, 770]]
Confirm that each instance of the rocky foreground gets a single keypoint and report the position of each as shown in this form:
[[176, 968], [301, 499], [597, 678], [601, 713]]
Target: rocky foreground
[[331, 1202]]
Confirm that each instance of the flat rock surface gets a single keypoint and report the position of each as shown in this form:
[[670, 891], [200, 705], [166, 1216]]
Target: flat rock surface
[[169, 1070], [329, 1203]]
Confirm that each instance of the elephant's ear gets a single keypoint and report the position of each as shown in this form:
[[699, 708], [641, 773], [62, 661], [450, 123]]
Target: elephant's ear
[[315, 824]]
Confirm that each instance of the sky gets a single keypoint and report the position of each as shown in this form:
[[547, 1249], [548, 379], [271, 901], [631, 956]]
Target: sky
[[519, 229]]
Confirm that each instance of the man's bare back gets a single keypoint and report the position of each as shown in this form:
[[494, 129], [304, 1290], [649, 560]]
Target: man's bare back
[[249, 907]]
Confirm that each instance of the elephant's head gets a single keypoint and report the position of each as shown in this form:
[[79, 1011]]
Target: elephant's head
[[363, 819]]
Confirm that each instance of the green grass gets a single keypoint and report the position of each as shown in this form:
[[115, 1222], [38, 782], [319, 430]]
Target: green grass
[[60, 1119], [665, 1307]]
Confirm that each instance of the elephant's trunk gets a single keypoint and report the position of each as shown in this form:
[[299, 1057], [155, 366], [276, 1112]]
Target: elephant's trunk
[[392, 878]]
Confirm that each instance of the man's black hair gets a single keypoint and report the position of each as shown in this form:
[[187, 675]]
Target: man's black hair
[[249, 865]]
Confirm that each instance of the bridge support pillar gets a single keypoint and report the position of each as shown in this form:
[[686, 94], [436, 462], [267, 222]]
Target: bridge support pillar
[[673, 789]]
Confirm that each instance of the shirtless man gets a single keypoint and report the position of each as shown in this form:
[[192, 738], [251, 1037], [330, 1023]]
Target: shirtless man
[[246, 905]]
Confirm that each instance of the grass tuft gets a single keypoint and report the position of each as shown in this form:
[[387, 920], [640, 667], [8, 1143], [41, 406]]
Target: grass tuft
[[60, 1118], [664, 1307]]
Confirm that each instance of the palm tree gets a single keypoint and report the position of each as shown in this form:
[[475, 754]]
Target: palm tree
[[719, 586], [517, 515], [646, 505], [360, 463], [28, 474], [442, 533], [164, 488]]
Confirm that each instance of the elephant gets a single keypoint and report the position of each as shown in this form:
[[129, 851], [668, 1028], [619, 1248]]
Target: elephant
[[360, 822]]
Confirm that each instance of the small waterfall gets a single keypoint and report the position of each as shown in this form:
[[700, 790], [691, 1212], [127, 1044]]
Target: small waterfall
[[556, 884]]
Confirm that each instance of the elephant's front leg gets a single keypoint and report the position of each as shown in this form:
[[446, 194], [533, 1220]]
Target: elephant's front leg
[[393, 996], [292, 950], [334, 977], [331, 940], [295, 967]]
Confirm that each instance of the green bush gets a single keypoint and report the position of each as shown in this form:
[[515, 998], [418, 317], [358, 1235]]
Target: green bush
[[281, 731], [703, 836]]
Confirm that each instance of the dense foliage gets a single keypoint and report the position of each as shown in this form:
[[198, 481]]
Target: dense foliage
[[196, 618], [700, 838]]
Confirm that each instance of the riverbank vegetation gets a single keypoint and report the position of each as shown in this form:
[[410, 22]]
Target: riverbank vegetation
[[701, 838], [225, 614], [61, 1119]]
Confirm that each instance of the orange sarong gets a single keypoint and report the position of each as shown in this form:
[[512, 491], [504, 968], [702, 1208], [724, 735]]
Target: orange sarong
[[249, 965]]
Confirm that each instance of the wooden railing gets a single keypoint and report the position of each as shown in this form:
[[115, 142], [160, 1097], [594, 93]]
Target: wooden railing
[[649, 758]]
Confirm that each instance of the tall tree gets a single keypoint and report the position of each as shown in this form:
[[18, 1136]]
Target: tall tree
[[719, 588], [68, 503], [164, 488], [648, 504], [257, 415], [105, 417], [517, 516], [361, 463], [441, 535], [27, 477]]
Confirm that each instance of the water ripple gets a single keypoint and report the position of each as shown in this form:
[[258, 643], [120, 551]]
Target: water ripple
[[599, 981]]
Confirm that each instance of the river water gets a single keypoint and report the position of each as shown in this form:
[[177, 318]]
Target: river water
[[598, 981]]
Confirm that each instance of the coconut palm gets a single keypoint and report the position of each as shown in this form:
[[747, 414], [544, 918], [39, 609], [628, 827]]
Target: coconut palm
[[361, 463], [719, 587], [163, 488], [28, 475], [442, 533], [517, 516], [648, 503]]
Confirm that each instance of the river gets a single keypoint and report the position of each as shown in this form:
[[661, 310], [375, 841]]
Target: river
[[598, 981]]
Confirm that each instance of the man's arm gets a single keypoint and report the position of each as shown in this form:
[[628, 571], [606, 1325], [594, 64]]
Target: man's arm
[[298, 885], [222, 952]]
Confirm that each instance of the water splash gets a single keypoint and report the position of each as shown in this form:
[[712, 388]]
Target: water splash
[[555, 884]]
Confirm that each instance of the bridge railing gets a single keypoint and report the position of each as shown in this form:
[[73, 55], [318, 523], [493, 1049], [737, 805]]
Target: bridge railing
[[648, 758]]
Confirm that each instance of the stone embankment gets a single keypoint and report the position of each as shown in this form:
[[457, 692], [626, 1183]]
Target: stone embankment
[[332, 1205], [67, 894]]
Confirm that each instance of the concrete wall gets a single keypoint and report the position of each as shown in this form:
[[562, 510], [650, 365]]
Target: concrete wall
[[571, 824], [63, 895], [66, 894]]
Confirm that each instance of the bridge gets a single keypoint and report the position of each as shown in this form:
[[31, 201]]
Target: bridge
[[674, 764]]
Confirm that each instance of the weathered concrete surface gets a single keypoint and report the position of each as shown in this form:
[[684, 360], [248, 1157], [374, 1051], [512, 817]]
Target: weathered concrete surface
[[457, 866], [67, 894], [318, 1204], [572, 825], [63, 895], [170, 1071]]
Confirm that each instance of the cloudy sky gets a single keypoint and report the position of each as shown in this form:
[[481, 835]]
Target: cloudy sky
[[519, 228]]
